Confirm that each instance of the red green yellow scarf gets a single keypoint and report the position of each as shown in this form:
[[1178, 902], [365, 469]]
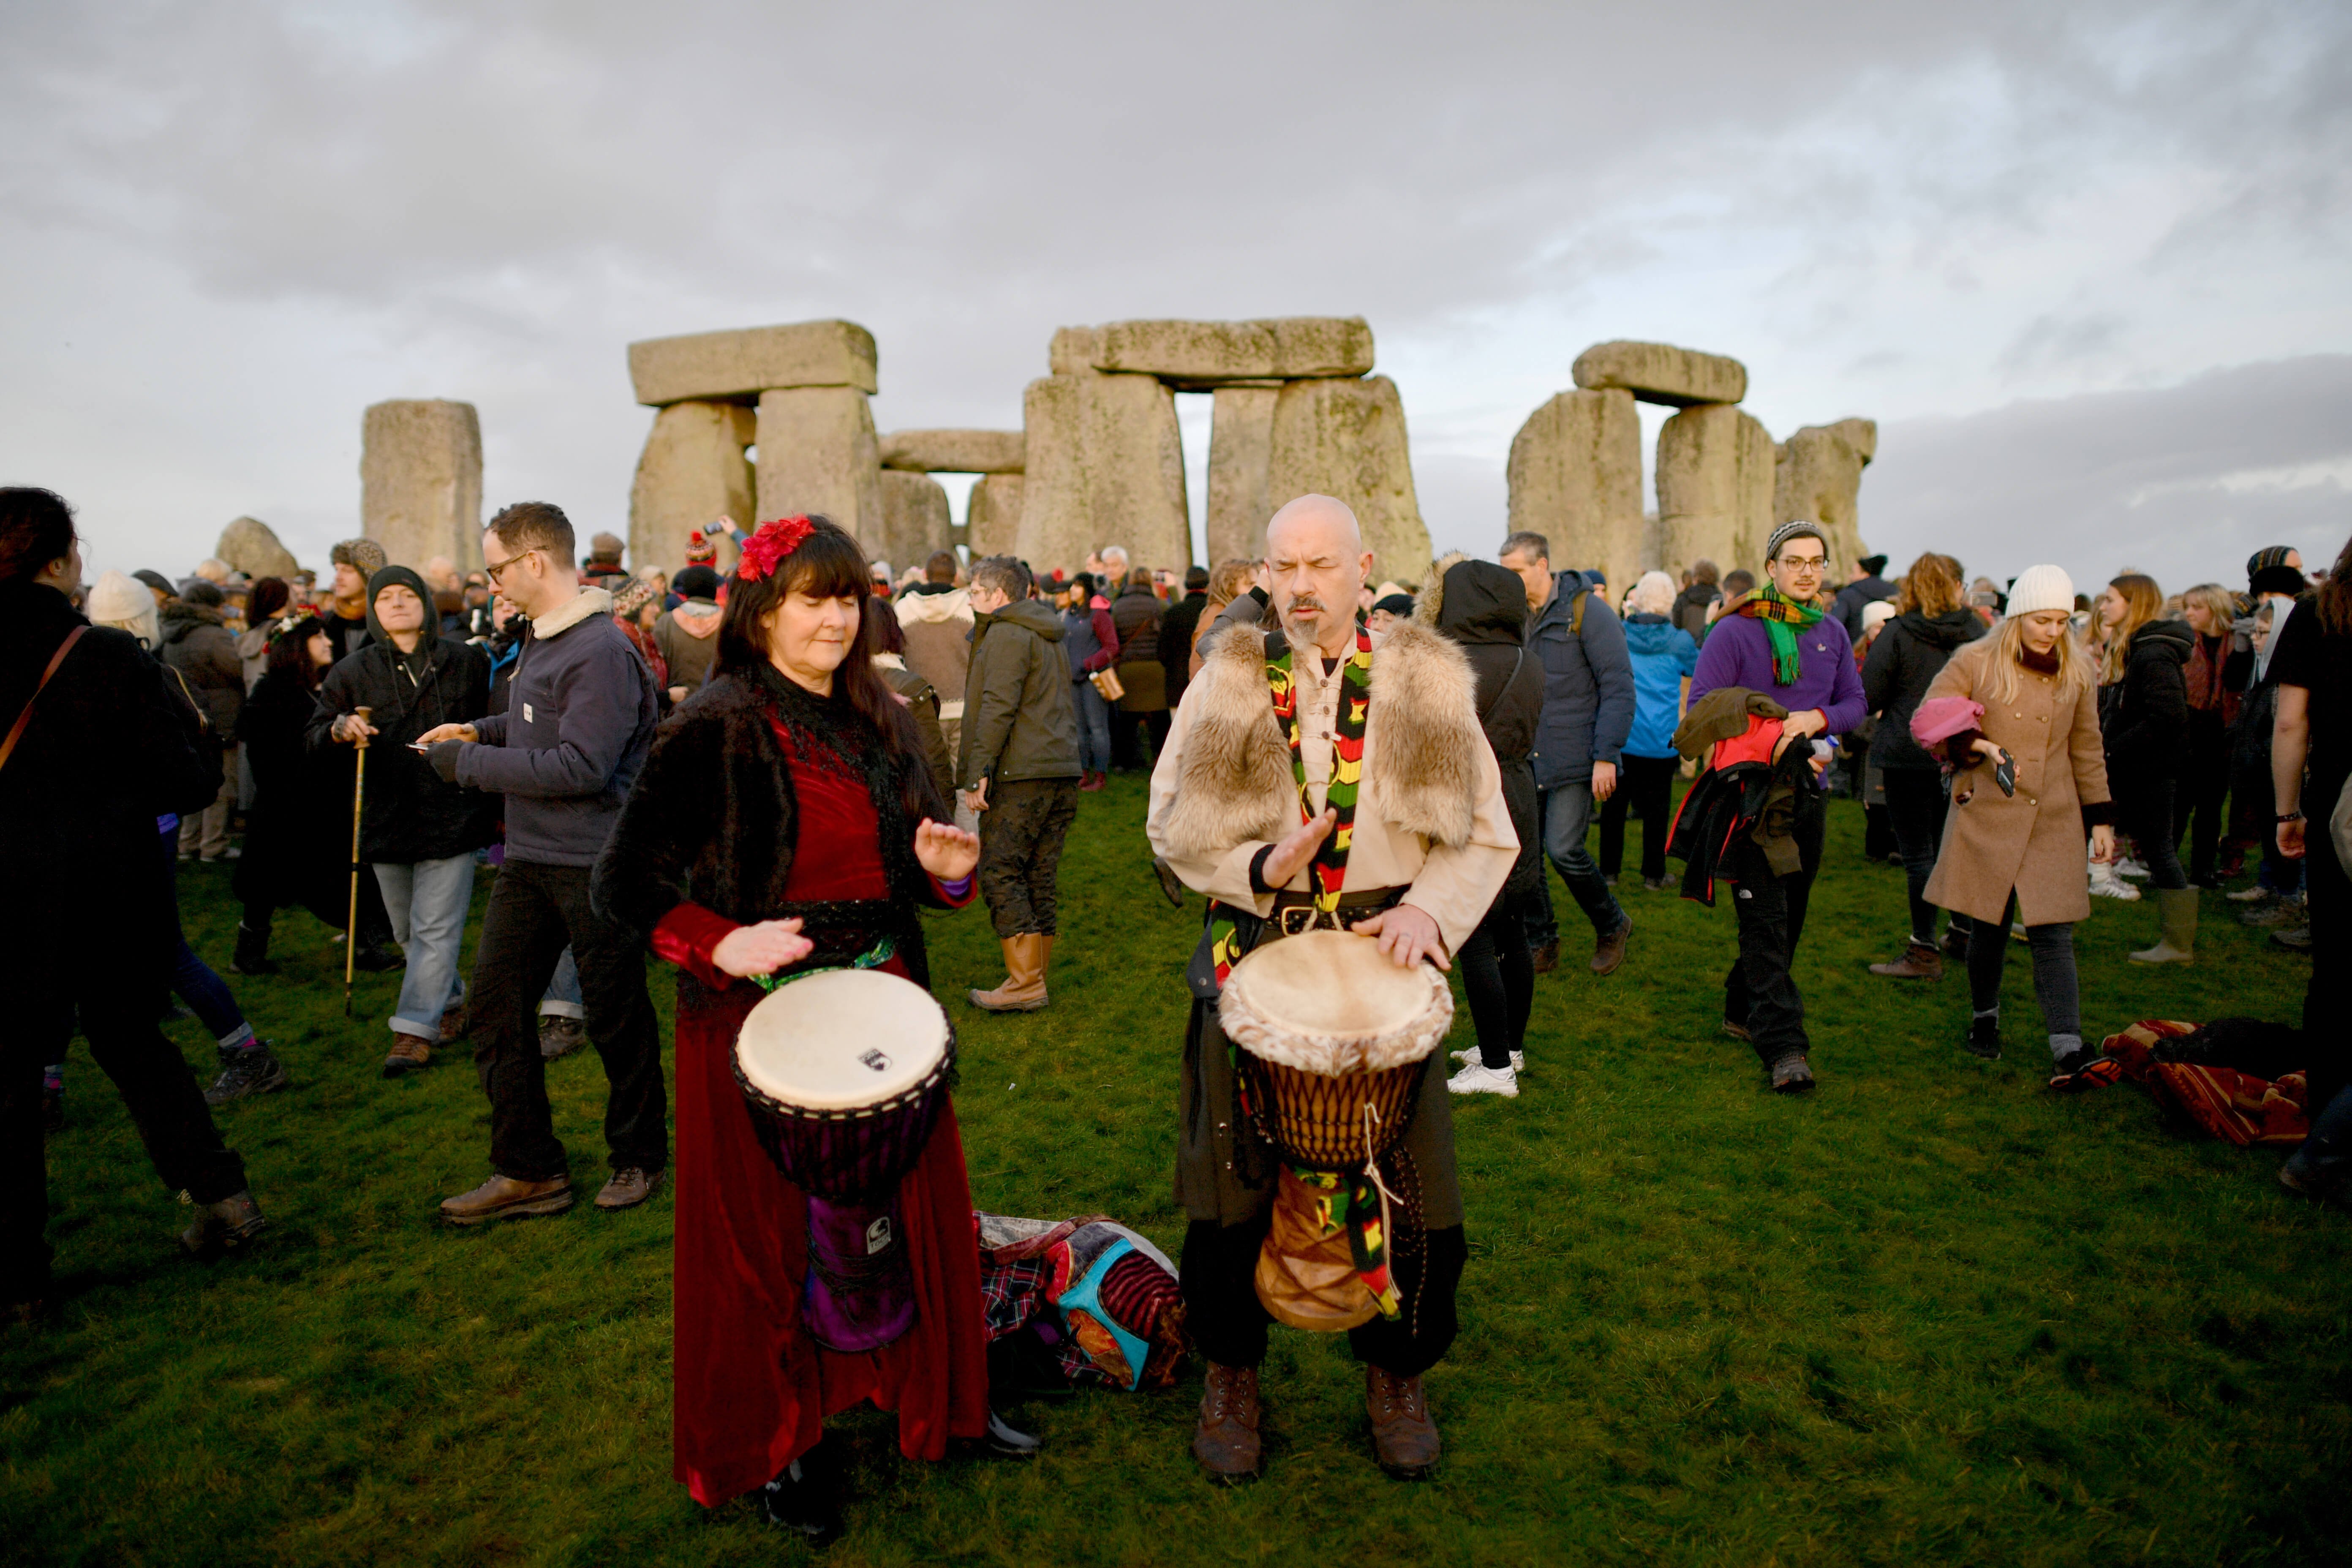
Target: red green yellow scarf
[[1783, 618]]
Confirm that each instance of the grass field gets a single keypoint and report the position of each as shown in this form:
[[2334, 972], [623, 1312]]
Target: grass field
[[1929, 1314]]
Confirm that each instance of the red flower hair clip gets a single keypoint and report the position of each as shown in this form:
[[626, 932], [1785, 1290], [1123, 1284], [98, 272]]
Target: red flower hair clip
[[773, 543]]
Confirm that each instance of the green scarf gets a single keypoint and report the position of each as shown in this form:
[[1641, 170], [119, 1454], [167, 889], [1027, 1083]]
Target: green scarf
[[1783, 618]]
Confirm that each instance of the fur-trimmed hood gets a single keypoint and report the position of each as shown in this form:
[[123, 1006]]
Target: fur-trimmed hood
[[1235, 780]]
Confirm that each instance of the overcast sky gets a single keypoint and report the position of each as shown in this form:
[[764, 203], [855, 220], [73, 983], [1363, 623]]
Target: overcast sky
[[2084, 264]]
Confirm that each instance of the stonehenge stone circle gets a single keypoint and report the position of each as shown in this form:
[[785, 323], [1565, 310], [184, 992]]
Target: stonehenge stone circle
[[1345, 438], [1105, 464], [992, 517], [1241, 447], [1200, 356], [251, 546], [1660, 372], [1714, 479], [1576, 478], [1074, 350], [953, 451], [1819, 478], [818, 454], [737, 366], [693, 470], [420, 480], [915, 521]]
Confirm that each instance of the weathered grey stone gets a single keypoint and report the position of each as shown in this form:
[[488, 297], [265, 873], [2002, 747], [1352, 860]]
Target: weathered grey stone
[[1345, 438], [1576, 478], [1105, 466], [692, 472], [992, 516], [251, 546], [1074, 350], [1715, 488], [737, 366], [953, 451], [420, 480], [915, 521], [817, 453], [1660, 372], [1819, 478], [1241, 446], [1199, 355]]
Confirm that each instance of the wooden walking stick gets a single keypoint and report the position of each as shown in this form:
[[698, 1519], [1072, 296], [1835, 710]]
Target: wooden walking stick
[[351, 919]]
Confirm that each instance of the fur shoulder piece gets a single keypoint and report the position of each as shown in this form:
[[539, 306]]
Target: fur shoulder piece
[[1233, 782], [1426, 711], [1431, 602]]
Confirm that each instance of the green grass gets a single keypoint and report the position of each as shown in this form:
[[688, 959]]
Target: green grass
[[1931, 1313]]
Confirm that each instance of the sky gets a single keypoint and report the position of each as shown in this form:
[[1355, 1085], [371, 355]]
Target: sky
[[2085, 265]]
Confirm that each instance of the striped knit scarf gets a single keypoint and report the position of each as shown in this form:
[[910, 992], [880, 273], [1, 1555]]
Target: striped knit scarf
[[1783, 618]]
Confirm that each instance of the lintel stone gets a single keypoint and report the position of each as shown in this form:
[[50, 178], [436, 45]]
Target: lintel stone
[[737, 366]]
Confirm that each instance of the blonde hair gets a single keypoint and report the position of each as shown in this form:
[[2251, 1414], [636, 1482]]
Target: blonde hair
[[2143, 603], [1229, 579], [1932, 586], [2006, 657], [2221, 605], [1654, 595]]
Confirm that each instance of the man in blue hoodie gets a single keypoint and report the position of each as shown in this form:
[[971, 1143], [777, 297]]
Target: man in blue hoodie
[[1588, 712]]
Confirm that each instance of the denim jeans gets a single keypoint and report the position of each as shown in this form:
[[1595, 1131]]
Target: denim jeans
[[562, 998], [1567, 814], [199, 984], [1094, 727], [427, 901]]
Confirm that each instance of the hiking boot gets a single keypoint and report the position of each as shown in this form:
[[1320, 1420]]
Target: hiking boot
[[253, 1070], [452, 1023], [1472, 1054], [802, 1504], [1024, 990], [1477, 1078], [1609, 952], [1405, 1436], [252, 953], [560, 1037], [1225, 1443], [408, 1052], [629, 1188], [1984, 1039], [503, 1198], [1921, 961], [1546, 956], [1171, 885], [223, 1226], [2294, 939], [1792, 1074]]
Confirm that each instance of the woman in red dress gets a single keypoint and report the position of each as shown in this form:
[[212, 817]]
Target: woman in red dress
[[785, 820]]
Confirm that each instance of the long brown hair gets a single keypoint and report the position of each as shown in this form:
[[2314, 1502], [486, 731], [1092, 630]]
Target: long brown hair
[[1932, 586], [2143, 602], [2335, 594]]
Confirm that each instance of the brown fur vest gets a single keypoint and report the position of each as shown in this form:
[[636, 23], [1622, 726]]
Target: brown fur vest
[[1235, 783]]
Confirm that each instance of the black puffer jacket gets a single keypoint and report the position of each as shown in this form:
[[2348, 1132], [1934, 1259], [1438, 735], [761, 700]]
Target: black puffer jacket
[[2143, 717], [196, 643], [1135, 613], [410, 814], [1484, 607], [1902, 664]]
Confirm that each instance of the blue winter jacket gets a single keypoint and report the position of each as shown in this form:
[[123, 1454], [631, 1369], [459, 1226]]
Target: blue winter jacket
[[1588, 683], [1662, 653]]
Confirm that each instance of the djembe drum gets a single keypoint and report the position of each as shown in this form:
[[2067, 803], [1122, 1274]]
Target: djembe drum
[[1333, 1039], [845, 1071]]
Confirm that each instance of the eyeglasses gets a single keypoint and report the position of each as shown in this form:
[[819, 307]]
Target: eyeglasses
[[1799, 567], [497, 574]]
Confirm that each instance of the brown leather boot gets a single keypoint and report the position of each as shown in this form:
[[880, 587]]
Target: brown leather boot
[[408, 1052], [1226, 1442], [1024, 990], [503, 1198], [1609, 952], [1921, 961], [1405, 1436]]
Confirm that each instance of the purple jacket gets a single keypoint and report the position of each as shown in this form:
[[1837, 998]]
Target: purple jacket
[[1738, 652]]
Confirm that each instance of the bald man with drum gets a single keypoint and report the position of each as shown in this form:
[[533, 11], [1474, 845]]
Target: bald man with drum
[[1311, 782]]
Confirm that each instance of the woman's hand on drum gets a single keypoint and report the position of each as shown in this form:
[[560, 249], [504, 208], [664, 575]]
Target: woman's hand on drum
[[1291, 854], [1406, 935], [946, 851], [761, 949]]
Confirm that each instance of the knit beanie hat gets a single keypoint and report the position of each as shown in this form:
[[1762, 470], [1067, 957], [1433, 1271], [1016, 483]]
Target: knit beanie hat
[[2041, 588], [1800, 528], [699, 549], [364, 556], [2269, 555], [632, 596], [2276, 579], [696, 582], [1877, 614], [115, 598]]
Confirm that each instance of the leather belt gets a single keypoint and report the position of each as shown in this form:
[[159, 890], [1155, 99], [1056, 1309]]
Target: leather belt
[[1296, 913]]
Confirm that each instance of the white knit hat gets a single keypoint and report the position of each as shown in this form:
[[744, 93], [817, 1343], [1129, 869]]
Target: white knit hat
[[2041, 588]]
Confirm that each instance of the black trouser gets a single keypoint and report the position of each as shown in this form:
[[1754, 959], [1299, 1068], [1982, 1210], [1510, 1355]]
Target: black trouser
[[1760, 992], [535, 912], [1498, 975], [1127, 734], [1916, 808], [2326, 1035], [1021, 836], [118, 986], [1218, 1278], [2143, 810], [2054, 980], [2204, 784], [1644, 786]]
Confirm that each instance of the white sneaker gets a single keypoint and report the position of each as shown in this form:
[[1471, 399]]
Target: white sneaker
[[1472, 1054], [2252, 894], [1479, 1079], [2105, 884], [2131, 868]]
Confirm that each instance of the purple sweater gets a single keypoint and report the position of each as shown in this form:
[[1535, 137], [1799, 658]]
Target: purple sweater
[[1738, 652]]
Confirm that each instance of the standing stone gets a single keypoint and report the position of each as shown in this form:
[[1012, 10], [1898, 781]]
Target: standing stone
[[1819, 478], [1660, 372], [1715, 488], [250, 545], [1241, 445], [737, 366], [421, 481], [1105, 464], [1202, 356], [692, 472], [992, 518], [818, 455], [915, 521], [1074, 350], [1345, 438], [1576, 478], [953, 451]]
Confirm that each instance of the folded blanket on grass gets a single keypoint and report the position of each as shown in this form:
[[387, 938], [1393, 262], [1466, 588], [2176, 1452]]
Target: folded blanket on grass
[[2181, 1067]]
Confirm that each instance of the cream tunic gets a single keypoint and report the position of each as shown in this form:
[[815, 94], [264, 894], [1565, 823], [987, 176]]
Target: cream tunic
[[1453, 886]]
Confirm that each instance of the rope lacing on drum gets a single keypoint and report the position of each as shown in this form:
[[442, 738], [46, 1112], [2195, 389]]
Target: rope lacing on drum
[[1372, 1169]]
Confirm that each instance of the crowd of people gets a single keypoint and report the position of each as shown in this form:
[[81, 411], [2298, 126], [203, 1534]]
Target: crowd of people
[[753, 772]]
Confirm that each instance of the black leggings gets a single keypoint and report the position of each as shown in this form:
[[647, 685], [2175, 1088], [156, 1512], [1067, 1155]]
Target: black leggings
[[1644, 784], [1915, 801], [2204, 784], [2145, 811], [1498, 975], [2053, 971]]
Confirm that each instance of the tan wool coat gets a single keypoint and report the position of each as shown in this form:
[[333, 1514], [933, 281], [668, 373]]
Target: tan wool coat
[[2033, 840]]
